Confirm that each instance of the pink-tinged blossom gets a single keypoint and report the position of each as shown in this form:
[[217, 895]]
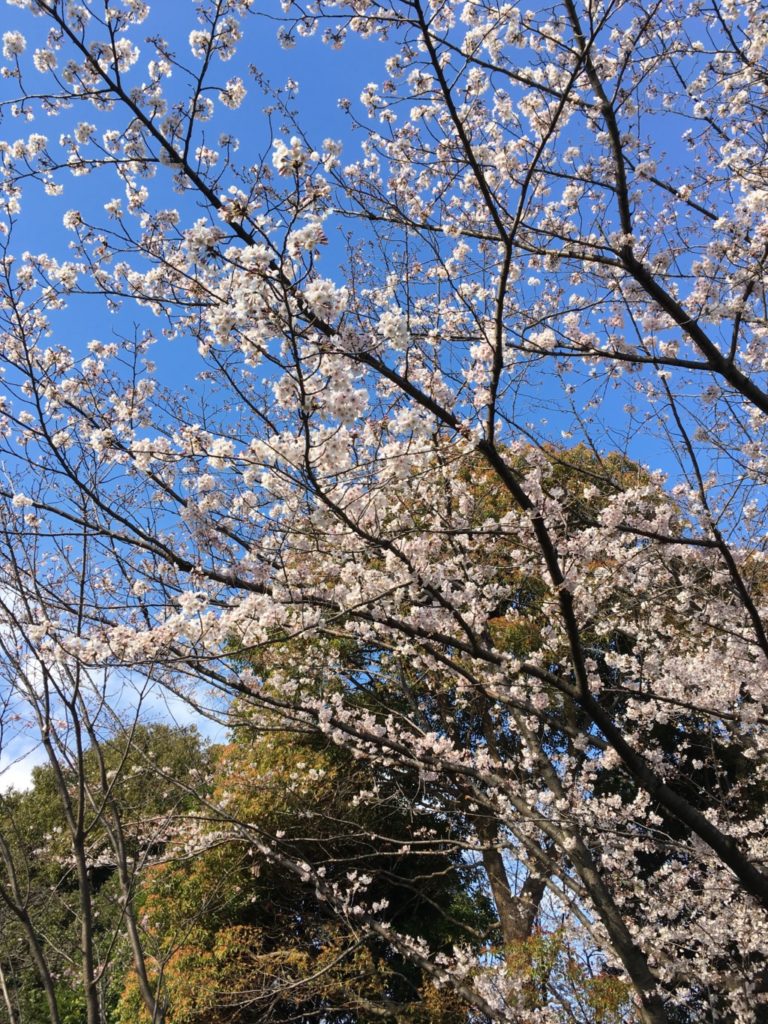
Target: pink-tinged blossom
[[14, 44], [233, 93]]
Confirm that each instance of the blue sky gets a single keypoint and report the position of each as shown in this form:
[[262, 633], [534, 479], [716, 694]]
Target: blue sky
[[323, 77]]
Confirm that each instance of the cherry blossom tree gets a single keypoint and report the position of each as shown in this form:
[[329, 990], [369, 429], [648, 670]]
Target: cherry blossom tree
[[75, 849], [557, 210]]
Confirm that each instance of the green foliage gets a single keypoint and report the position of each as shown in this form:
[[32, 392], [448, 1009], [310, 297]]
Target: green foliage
[[141, 768], [244, 939]]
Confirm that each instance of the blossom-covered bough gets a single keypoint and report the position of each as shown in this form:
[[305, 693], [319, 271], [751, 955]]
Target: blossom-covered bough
[[558, 210]]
